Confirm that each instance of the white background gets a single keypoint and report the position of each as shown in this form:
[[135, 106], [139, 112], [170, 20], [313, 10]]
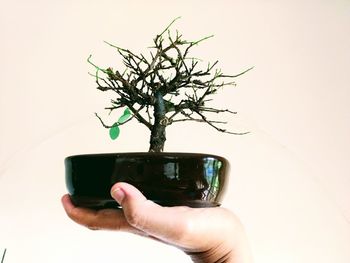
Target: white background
[[290, 176]]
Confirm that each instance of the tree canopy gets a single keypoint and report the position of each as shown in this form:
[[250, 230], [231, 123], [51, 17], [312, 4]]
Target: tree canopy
[[163, 88]]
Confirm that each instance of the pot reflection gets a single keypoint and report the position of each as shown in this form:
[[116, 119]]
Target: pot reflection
[[167, 178]]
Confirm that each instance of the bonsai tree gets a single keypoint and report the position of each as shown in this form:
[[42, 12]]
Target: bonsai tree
[[164, 88]]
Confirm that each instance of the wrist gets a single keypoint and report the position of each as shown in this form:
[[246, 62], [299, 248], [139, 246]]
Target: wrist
[[212, 257], [229, 252]]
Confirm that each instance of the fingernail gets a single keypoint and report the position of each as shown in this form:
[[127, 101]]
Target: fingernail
[[118, 194]]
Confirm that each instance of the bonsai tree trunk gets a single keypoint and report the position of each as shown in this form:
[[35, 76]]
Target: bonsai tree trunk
[[158, 138]]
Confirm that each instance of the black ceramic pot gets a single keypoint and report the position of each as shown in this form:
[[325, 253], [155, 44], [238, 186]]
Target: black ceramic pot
[[169, 179]]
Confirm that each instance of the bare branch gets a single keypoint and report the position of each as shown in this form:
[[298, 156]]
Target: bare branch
[[216, 110], [139, 117], [166, 29], [111, 126], [198, 120], [198, 41], [217, 128], [90, 62], [235, 76]]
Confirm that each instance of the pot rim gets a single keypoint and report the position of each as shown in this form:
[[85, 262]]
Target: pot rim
[[149, 154]]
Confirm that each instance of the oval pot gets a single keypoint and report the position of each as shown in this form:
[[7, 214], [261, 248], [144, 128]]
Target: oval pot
[[169, 179]]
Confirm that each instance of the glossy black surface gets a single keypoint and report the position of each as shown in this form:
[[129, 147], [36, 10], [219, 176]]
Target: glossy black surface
[[196, 180]]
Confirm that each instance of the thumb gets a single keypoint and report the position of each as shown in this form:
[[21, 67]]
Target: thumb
[[160, 222]]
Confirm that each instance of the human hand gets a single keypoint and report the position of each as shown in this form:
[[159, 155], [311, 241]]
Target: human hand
[[205, 234]]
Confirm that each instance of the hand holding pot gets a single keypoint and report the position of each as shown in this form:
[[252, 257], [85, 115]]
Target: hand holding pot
[[205, 234]]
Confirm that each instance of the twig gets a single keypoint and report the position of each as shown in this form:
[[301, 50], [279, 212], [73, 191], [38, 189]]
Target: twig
[[235, 76], [217, 128], [111, 126], [98, 68], [166, 29]]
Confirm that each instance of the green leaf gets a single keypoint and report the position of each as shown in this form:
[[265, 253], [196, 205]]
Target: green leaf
[[126, 115], [114, 131]]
